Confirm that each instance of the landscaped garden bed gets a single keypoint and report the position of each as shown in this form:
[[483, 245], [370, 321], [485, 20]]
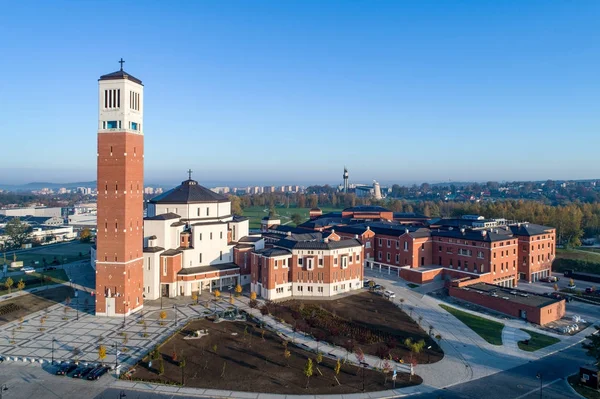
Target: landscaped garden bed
[[242, 356], [366, 321]]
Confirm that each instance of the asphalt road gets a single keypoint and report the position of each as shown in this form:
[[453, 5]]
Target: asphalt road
[[521, 382]]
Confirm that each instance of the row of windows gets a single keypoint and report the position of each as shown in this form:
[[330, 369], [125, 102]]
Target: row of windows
[[118, 125], [134, 100], [112, 98]]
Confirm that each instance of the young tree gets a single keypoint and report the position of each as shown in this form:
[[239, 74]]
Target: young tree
[[125, 338], [85, 235], [174, 355], [8, 283], [21, 285], [253, 296], [371, 285], [21, 323], [308, 371], [231, 300], [287, 354], [238, 290], [161, 366], [17, 231], [42, 321], [195, 297], [182, 367], [217, 294], [296, 219], [555, 287], [593, 347], [338, 367], [319, 358], [163, 316], [102, 352]]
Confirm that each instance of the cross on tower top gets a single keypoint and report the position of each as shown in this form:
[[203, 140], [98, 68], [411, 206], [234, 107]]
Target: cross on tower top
[[121, 62], [190, 174]]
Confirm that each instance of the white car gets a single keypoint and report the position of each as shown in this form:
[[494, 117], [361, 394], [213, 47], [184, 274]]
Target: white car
[[389, 294], [28, 269]]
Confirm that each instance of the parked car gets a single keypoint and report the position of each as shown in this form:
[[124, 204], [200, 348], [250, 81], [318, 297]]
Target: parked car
[[377, 287], [590, 290], [28, 269], [366, 283], [550, 279], [66, 368], [572, 286], [83, 372], [97, 373], [49, 268], [389, 294]]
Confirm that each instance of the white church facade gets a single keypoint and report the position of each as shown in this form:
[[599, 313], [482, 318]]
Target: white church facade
[[190, 243]]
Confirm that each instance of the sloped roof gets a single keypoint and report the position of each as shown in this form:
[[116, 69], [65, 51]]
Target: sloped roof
[[163, 216], [189, 192], [120, 75], [530, 229], [314, 244], [270, 252]]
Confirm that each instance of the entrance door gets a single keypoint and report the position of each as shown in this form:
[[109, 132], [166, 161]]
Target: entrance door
[[164, 290], [110, 306], [524, 314]]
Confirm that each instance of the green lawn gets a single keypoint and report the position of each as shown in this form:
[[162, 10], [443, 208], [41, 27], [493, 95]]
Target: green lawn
[[33, 280], [537, 341], [489, 330], [256, 213], [72, 251]]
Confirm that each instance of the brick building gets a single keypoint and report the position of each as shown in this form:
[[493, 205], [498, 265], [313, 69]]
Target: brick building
[[533, 308], [307, 265], [492, 250]]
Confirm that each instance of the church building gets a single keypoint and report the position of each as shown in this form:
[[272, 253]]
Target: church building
[[189, 239]]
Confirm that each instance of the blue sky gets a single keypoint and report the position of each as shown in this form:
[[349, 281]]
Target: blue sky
[[268, 92]]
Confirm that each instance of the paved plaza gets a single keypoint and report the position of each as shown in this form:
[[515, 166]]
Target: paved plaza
[[76, 335]]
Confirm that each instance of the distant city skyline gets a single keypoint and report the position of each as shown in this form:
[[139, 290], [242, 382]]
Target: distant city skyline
[[291, 92]]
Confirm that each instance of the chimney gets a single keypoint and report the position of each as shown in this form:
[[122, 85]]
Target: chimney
[[356, 236], [326, 240], [332, 231]]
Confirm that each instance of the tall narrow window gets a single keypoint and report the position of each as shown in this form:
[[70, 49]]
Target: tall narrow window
[[119, 98], [105, 98]]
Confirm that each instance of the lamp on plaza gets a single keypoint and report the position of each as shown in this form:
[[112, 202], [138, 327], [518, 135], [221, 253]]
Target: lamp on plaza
[[116, 357], [124, 312], [541, 378], [3, 388], [428, 354], [365, 365], [53, 349]]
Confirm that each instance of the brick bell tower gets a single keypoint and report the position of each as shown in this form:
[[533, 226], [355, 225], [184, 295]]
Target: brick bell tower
[[119, 237]]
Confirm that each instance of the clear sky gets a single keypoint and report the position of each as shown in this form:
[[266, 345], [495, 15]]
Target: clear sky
[[277, 91]]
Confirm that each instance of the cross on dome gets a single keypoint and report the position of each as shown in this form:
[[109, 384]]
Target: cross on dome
[[121, 62], [190, 174]]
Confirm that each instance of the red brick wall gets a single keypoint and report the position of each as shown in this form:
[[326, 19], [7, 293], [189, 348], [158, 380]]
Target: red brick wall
[[536, 253], [120, 218], [173, 267], [242, 257], [534, 314]]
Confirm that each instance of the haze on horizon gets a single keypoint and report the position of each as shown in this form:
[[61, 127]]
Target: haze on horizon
[[293, 91]]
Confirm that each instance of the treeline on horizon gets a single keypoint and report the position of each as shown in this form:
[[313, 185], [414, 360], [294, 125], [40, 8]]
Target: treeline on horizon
[[572, 221]]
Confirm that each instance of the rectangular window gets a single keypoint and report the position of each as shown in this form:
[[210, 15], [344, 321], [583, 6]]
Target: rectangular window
[[389, 243], [406, 245], [118, 98], [111, 124], [200, 258], [220, 255], [211, 235], [300, 264], [388, 257], [134, 126], [207, 211], [164, 266], [105, 98], [221, 235]]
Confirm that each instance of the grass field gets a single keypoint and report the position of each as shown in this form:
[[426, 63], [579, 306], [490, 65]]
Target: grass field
[[33, 280], [578, 254], [256, 213], [489, 330], [72, 252], [537, 341]]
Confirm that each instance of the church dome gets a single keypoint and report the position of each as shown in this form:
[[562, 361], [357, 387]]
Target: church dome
[[189, 192]]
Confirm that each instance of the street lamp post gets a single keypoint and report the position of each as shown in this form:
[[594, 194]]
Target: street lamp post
[[116, 357], [365, 365], [124, 312], [541, 377], [77, 308], [175, 307], [428, 353], [53, 349]]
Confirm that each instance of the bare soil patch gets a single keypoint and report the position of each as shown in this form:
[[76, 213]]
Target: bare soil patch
[[241, 356], [25, 304], [366, 321]]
